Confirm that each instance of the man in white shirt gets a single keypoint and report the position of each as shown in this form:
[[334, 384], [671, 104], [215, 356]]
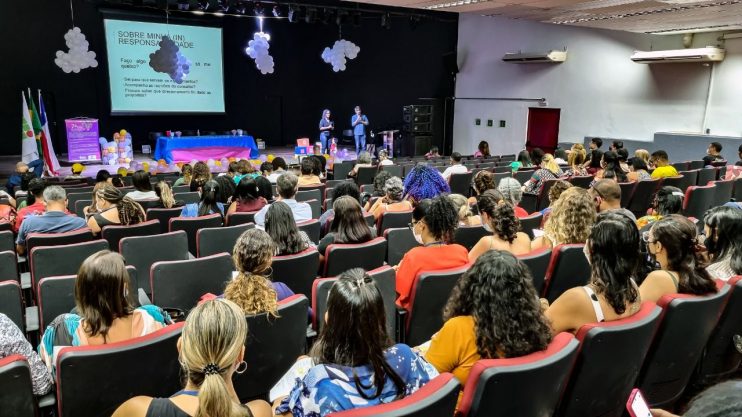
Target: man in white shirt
[[287, 185], [455, 168]]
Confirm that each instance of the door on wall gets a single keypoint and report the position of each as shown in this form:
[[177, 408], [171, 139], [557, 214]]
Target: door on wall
[[543, 129]]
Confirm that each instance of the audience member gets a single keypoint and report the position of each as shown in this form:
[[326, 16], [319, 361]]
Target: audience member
[[201, 174], [143, 187], [104, 313], [252, 289], [549, 170], [667, 200], [638, 170], [739, 154], [498, 218], [612, 294], [537, 157], [555, 192], [523, 161], [114, 208], [723, 231], [466, 216], [267, 169], [393, 199], [616, 145], [319, 157], [379, 181], [23, 170], [662, 165], [513, 193], [308, 176], [246, 197], [54, 220], [35, 203], [560, 156], [344, 188], [384, 158], [576, 160], [570, 220], [611, 168], [671, 241], [721, 400], [348, 225], [623, 159], [481, 182], [187, 174], [713, 154], [209, 202], [433, 153], [433, 224], [227, 187], [244, 169], [265, 188], [103, 176], [281, 226], [279, 166], [423, 182], [455, 168], [77, 170], [117, 182], [165, 196], [642, 154], [210, 350], [594, 156], [364, 160], [493, 312], [607, 197], [287, 185], [14, 342], [483, 150], [355, 362]]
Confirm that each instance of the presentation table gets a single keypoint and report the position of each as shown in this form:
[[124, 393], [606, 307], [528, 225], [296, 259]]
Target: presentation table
[[187, 148]]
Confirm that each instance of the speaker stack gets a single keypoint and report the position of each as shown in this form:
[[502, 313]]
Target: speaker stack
[[417, 128]]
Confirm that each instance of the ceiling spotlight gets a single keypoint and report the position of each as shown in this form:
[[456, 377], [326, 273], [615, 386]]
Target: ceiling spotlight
[[276, 11], [294, 14], [238, 7], [202, 5], [258, 9], [326, 15], [357, 19], [184, 5], [386, 21], [311, 15], [221, 6]]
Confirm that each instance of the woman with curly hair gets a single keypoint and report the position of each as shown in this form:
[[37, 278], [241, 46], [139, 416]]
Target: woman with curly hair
[[424, 182], [667, 200], [393, 199], [482, 181], [570, 220], [114, 208], [672, 243], [201, 174], [493, 312], [576, 160], [555, 192], [611, 294], [549, 170], [499, 218], [433, 225], [187, 173], [252, 289], [466, 216]]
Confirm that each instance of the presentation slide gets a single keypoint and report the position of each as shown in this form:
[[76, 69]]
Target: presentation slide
[[182, 74]]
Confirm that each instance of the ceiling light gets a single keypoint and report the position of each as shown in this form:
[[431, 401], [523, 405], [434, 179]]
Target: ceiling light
[[184, 5], [202, 5], [276, 11], [258, 9], [326, 15], [221, 6]]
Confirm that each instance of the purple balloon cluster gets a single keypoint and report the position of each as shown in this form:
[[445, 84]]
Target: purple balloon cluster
[[170, 61]]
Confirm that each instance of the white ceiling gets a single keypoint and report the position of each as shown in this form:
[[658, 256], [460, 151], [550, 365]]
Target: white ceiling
[[647, 16]]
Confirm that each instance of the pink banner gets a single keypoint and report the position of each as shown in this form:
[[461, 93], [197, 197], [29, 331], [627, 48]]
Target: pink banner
[[82, 139]]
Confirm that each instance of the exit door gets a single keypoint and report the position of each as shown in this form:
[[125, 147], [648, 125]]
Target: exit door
[[543, 129]]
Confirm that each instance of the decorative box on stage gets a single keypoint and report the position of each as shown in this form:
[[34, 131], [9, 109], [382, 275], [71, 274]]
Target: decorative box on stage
[[303, 150], [303, 142]]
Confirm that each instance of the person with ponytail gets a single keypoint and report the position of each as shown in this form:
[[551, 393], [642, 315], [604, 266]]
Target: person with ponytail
[[187, 171], [165, 195], [210, 202], [114, 208], [498, 217], [210, 350], [671, 241], [548, 170], [466, 216], [611, 168], [723, 230], [355, 361]]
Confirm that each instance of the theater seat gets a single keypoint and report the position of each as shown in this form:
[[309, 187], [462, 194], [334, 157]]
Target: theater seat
[[191, 225], [528, 224], [468, 236], [568, 268], [163, 215], [437, 398], [506, 387], [16, 396], [538, 263], [686, 325], [213, 240], [50, 261], [94, 380], [393, 219], [642, 196], [721, 358], [297, 271], [114, 233], [180, 284], [241, 218], [400, 240], [698, 199], [342, 257], [57, 239], [11, 303], [608, 362], [142, 251]]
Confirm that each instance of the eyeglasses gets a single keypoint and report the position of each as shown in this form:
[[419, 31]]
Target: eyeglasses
[[646, 239], [413, 223]]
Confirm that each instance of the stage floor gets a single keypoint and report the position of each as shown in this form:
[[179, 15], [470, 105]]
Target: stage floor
[[7, 162]]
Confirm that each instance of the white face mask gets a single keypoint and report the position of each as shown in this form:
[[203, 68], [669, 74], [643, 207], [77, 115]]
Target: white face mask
[[418, 238]]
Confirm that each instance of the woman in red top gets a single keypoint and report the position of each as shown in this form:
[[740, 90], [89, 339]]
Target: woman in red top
[[433, 224], [246, 197]]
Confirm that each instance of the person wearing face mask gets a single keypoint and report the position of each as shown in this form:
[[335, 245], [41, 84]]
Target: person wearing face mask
[[672, 242], [433, 224], [498, 218]]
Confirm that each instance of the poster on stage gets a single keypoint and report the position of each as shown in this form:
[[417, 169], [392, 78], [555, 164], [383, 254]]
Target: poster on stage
[[82, 139]]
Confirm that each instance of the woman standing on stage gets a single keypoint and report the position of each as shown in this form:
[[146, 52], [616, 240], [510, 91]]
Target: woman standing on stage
[[325, 126]]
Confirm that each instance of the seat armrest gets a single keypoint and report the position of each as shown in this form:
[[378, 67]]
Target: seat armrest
[[401, 319], [142, 297]]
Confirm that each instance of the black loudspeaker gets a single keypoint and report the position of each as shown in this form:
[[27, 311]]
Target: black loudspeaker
[[449, 63], [423, 144], [417, 119]]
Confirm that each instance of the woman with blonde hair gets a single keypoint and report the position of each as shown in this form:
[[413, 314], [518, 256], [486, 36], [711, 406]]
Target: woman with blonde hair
[[549, 170], [165, 194], [114, 208], [187, 171], [572, 216], [642, 154], [576, 160], [466, 216], [211, 349]]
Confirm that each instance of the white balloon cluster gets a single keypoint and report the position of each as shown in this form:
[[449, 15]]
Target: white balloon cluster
[[169, 60], [78, 58], [257, 49], [336, 56]]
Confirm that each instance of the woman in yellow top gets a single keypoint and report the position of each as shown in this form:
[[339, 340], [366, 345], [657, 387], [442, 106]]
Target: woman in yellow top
[[493, 312]]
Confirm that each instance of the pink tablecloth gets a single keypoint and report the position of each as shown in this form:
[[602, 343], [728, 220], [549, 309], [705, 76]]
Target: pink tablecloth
[[212, 152]]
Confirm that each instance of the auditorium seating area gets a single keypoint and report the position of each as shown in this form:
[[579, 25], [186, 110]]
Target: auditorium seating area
[[667, 349]]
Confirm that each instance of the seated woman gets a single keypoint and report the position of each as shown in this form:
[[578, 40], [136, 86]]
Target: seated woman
[[638, 171], [482, 181], [364, 160], [165, 195], [201, 174], [723, 230], [499, 219], [308, 176], [104, 312], [668, 200], [423, 182], [576, 160], [281, 226], [210, 350], [512, 192], [265, 188], [433, 224], [246, 197], [610, 168], [433, 153], [393, 199], [523, 161], [612, 294], [466, 216], [549, 170], [344, 188], [355, 362], [14, 342], [143, 187], [187, 173], [672, 243], [570, 220], [252, 288], [348, 225], [114, 208], [473, 330], [555, 192], [379, 181], [483, 150], [210, 202]]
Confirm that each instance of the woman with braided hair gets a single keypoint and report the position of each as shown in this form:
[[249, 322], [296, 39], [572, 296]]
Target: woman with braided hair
[[114, 208], [210, 350], [498, 217]]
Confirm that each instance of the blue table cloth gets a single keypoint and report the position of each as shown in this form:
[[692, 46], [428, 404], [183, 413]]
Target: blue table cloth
[[165, 145]]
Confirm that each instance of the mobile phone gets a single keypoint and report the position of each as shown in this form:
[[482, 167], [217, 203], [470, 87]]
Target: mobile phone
[[636, 405]]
